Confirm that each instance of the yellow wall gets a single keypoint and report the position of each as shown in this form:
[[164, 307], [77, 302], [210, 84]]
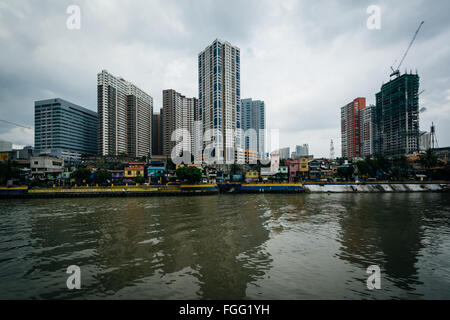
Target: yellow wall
[[251, 174], [4, 155], [303, 162], [133, 173]]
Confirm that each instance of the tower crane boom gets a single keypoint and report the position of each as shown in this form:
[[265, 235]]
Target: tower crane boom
[[396, 72]]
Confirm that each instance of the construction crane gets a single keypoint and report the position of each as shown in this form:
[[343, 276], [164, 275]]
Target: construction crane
[[396, 72], [16, 124]]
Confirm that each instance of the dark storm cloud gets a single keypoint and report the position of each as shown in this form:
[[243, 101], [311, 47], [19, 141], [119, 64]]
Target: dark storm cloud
[[304, 58]]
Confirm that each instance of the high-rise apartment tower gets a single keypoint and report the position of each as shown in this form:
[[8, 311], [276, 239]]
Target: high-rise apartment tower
[[124, 117]]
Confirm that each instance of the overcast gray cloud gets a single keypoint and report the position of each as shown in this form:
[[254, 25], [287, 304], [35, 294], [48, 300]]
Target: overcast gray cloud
[[306, 59]]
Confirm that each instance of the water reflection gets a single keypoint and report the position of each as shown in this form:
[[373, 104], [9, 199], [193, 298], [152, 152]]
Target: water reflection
[[387, 230], [141, 242], [227, 247]]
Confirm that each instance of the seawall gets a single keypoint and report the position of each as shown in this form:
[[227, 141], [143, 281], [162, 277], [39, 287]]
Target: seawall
[[376, 187]]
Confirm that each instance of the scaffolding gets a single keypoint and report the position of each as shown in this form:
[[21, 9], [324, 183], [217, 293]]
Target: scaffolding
[[397, 119]]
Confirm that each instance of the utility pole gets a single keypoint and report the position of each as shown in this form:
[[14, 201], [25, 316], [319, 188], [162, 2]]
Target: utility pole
[[434, 142]]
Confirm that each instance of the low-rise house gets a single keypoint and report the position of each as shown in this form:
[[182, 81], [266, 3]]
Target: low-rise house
[[298, 167], [63, 178], [251, 176], [156, 169], [134, 169], [117, 175], [283, 170], [46, 167], [210, 175], [236, 177], [267, 172], [275, 161]]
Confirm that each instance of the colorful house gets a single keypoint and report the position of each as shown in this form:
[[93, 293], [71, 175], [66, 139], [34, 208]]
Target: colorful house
[[283, 170], [117, 175], [251, 176], [298, 167], [156, 169], [134, 169]]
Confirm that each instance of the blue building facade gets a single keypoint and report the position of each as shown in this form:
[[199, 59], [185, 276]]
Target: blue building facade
[[64, 129], [253, 115]]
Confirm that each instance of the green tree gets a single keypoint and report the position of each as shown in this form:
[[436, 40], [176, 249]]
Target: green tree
[[190, 174], [140, 179], [346, 172], [81, 175], [364, 168], [235, 169], [8, 171], [429, 159], [102, 176], [400, 168], [170, 165], [382, 163]]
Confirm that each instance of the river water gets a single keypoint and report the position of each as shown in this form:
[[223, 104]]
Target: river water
[[262, 246]]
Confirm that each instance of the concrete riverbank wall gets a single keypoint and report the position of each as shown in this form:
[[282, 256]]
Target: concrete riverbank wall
[[113, 191], [213, 189], [376, 187]]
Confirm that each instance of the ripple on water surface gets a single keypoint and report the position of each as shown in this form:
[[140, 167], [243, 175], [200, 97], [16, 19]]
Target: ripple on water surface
[[228, 246]]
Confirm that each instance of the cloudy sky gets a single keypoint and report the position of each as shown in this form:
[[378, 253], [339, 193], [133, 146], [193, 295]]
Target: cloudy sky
[[305, 59]]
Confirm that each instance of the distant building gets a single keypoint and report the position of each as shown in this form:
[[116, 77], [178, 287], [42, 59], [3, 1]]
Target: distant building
[[5, 146], [157, 136], [125, 115], [285, 153], [180, 113], [424, 141], [350, 128], [398, 107], [302, 151], [367, 131], [22, 154], [253, 117], [64, 129]]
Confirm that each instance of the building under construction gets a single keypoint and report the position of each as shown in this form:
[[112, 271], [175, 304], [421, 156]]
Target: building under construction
[[397, 116]]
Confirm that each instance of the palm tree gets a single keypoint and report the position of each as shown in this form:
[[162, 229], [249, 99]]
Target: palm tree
[[429, 160]]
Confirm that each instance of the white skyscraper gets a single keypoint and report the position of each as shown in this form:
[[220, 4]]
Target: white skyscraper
[[124, 117], [219, 100]]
